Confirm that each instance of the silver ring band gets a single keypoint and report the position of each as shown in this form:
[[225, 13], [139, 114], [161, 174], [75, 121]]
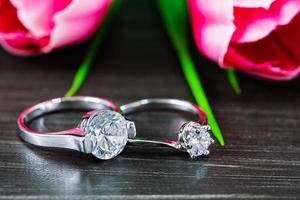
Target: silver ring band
[[162, 104], [70, 139]]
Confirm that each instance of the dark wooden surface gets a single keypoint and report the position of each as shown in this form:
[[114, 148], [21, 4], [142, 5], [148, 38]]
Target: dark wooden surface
[[261, 127]]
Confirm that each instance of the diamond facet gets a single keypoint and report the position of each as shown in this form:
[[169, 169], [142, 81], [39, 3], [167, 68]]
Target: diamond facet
[[106, 133], [195, 138]]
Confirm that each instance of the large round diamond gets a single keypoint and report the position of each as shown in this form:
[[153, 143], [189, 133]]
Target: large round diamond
[[106, 133], [195, 139]]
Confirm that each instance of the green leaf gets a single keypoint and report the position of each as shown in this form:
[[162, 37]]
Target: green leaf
[[83, 69], [233, 80], [175, 16]]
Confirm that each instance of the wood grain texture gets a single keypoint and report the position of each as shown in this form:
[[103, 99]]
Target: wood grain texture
[[261, 127]]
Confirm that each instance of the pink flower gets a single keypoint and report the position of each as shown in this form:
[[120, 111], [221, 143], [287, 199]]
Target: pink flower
[[29, 27], [260, 37]]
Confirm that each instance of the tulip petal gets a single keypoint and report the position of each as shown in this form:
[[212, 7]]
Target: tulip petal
[[253, 3], [36, 27], [23, 44], [212, 26], [36, 15], [8, 11], [77, 22], [276, 56], [14, 37], [255, 23]]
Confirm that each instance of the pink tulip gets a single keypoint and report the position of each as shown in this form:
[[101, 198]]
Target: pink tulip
[[260, 37], [29, 27]]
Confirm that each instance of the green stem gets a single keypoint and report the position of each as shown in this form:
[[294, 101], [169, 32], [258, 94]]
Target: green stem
[[174, 14], [233, 80], [83, 69]]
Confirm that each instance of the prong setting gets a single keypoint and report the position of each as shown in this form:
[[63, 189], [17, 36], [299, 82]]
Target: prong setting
[[131, 129], [195, 139]]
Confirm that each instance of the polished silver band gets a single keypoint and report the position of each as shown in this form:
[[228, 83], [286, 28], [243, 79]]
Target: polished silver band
[[164, 104], [71, 138]]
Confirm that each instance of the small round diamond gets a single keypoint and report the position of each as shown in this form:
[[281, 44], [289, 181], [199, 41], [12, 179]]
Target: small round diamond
[[195, 139], [106, 133]]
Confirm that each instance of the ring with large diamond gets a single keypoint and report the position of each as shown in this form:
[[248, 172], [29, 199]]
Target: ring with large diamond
[[103, 132], [193, 137]]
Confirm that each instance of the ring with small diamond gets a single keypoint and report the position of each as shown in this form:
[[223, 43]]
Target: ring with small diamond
[[104, 131], [193, 136]]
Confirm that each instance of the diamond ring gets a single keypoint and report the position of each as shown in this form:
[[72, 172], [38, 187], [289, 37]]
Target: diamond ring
[[193, 137], [104, 132], [105, 136]]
